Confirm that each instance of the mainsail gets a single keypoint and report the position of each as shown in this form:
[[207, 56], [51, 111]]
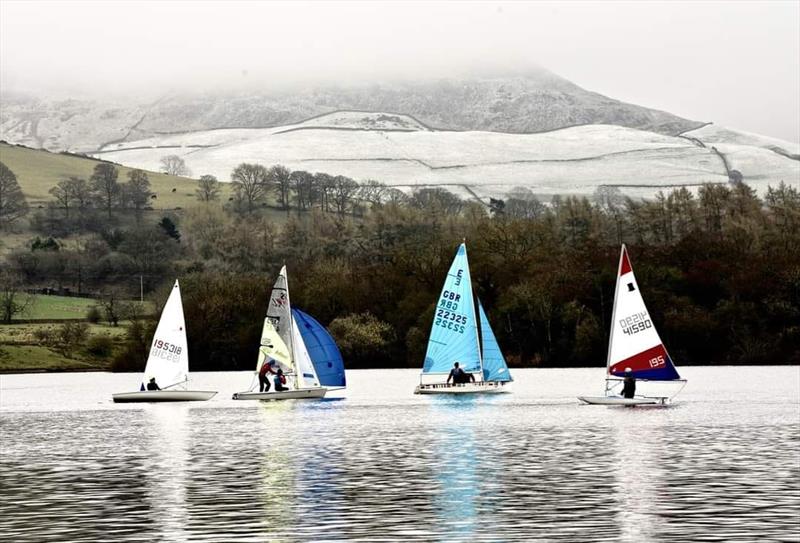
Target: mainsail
[[494, 363], [272, 346], [279, 309], [634, 341], [454, 333], [322, 350], [168, 361]]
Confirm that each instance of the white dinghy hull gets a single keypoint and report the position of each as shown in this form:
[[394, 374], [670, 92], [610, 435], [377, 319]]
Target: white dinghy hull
[[619, 400], [298, 394], [163, 396], [486, 387]]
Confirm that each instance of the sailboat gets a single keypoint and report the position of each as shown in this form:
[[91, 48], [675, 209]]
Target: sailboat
[[300, 346], [168, 361], [634, 345], [460, 334]]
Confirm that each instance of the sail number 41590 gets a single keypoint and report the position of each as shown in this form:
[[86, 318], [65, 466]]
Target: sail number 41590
[[638, 322]]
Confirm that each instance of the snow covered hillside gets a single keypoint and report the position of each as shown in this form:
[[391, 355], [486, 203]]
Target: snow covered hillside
[[400, 151]]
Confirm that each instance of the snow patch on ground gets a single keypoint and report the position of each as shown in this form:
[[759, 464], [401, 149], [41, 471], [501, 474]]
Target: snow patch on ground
[[568, 161]]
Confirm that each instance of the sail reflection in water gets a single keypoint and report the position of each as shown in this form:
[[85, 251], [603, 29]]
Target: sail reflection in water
[[166, 470], [385, 464], [458, 470]]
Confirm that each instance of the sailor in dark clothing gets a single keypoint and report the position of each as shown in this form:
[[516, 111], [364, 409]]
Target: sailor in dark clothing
[[152, 385], [629, 384], [457, 375], [280, 381], [263, 380]]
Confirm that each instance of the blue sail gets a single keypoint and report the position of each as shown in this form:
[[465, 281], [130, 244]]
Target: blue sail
[[322, 350], [494, 364], [454, 333]]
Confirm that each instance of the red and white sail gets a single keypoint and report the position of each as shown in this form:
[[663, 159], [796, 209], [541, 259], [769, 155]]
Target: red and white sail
[[634, 341]]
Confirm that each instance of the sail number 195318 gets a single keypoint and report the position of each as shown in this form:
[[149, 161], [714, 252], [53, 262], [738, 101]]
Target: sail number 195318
[[166, 350]]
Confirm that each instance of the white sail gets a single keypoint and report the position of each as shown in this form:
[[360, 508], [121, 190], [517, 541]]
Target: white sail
[[168, 361], [272, 346], [279, 310], [306, 375]]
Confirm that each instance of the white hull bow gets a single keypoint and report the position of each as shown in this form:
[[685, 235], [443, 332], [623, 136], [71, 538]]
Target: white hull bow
[[484, 387], [163, 396], [619, 400], [298, 394]]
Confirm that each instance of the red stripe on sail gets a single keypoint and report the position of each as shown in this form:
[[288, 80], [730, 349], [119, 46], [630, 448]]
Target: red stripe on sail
[[652, 359], [625, 265]]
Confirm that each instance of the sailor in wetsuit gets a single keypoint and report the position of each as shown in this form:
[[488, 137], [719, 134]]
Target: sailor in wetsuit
[[152, 385], [629, 384]]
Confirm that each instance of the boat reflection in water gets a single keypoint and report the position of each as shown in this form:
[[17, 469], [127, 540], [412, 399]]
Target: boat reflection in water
[[458, 469], [638, 473], [167, 468]]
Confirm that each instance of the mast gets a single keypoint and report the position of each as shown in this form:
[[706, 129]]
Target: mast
[[474, 313], [614, 308], [291, 332]]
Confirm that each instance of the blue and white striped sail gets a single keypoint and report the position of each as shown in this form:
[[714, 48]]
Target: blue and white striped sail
[[454, 334], [494, 363]]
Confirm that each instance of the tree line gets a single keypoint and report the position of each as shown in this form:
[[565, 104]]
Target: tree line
[[719, 268]]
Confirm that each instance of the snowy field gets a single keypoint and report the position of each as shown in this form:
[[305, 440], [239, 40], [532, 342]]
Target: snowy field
[[398, 151]]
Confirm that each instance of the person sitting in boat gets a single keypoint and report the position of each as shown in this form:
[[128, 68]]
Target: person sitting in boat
[[280, 381], [457, 375], [152, 385], [629, 384], [263, 380]]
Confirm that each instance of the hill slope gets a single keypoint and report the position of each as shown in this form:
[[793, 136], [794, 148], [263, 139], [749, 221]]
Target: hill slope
[[38, 171], [569, 161], [539, 101]]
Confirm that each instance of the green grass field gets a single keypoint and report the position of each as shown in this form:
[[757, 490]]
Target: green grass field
[[26, 358], [38, 171], [57, 307], [24, 334], [53, 308], [21, 351]]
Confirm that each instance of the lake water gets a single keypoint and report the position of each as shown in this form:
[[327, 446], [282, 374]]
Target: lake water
[[377, 463]]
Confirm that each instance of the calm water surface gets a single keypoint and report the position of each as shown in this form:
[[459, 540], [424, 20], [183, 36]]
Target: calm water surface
[[378, 463]]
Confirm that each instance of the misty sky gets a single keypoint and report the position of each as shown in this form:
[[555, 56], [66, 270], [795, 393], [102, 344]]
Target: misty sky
[[734, 63]]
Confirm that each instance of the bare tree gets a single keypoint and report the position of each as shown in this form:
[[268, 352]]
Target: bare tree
[[302, 185], [325, 185], [611, 201], [137, 190], [104, 185], [395, 196], [13, 300], [113, 306], [372, 191], [80, 193], [207, 188], [62, 196], [174, 165], [281, 178], [250, 181], [344, 191], [12, 202]]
